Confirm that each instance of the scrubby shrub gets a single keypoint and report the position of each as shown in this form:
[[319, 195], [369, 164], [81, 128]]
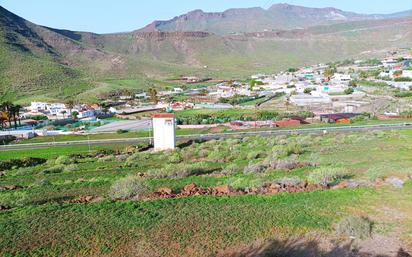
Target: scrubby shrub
[[355, 227], [217, 156], [42, 183], [255, 155], [136, 160], [70, 168], [181, 170], [328, 176], [288, 182], [128, 188], [63, 160], [109, 158], [287, 165], [122, 131], [279, 152], [54, 169], [377, 173], [294, 149], [255, 168], [203, 153], [230, 169], [175, 157]]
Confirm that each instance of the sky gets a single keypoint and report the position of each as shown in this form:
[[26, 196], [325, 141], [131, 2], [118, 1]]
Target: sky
[[107, 16]]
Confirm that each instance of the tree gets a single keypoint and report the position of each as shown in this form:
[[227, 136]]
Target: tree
[[16, 114], [153, 95], [3, 119], [204, 91], [349, 91], [308, 90], [75, 115], [330, 71], [64, 113], [353, 83], [8, 108], [70, 105]]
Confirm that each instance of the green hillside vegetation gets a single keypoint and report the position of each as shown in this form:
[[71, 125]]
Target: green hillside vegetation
[[44, 218]]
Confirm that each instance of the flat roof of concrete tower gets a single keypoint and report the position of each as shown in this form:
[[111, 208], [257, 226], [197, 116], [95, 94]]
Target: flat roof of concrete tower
[[164, 115]]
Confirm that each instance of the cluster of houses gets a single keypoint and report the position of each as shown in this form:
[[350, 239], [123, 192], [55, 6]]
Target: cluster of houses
[[329, 88], [55, 111]]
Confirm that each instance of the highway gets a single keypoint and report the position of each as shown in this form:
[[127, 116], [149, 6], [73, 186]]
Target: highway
[[340, 129]]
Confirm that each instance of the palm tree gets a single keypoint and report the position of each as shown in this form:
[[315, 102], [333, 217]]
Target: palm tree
[[16, 114], [75, 115], [153, 95], [64, 114], [70, 105], [3, 119], [18, 108], [8, 108]]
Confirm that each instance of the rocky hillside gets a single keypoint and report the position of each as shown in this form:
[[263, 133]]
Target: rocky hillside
[[46, 63], [277, 17]]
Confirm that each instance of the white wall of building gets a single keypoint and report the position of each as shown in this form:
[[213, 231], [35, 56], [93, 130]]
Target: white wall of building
[[164, 132]]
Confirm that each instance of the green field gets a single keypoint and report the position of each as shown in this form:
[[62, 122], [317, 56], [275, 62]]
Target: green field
[[42, 222]]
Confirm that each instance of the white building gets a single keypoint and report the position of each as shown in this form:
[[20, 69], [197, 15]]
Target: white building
[[178, 90], [164, 131], [38, 106], [407, 74], [341, 78], [390, 62], [305, 100]]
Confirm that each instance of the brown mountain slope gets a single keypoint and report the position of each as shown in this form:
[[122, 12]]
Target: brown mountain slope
[[41, 62]]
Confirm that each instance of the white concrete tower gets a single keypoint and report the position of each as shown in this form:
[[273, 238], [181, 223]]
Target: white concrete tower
[[164, 131]]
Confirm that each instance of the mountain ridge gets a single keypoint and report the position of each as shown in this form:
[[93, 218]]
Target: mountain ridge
[[43, 63], [277, 17]]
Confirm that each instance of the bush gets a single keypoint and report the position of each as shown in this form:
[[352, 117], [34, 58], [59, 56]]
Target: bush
[[231, 169], [42, 183], [328, 176], [255, 168], [217, 156], [254, 155], [21, 163], [70, 168], [175, 157], [182, 170], [349, 91], [294, 148], [109, 158], [63, 160], [122, 131], [279, 151], [128, 188], [288, 165], [355, 227], [203, 153], [136, 160], [286, 181], [54, 169]]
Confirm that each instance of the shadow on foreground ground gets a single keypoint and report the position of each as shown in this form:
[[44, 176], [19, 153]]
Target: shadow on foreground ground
[[297, 248]]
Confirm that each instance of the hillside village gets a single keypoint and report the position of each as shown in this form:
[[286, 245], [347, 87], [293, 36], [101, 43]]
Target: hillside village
[[346, 89]]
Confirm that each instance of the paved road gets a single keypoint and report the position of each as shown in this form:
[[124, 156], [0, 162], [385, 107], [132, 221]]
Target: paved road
[[130, 125], [343, 129]]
